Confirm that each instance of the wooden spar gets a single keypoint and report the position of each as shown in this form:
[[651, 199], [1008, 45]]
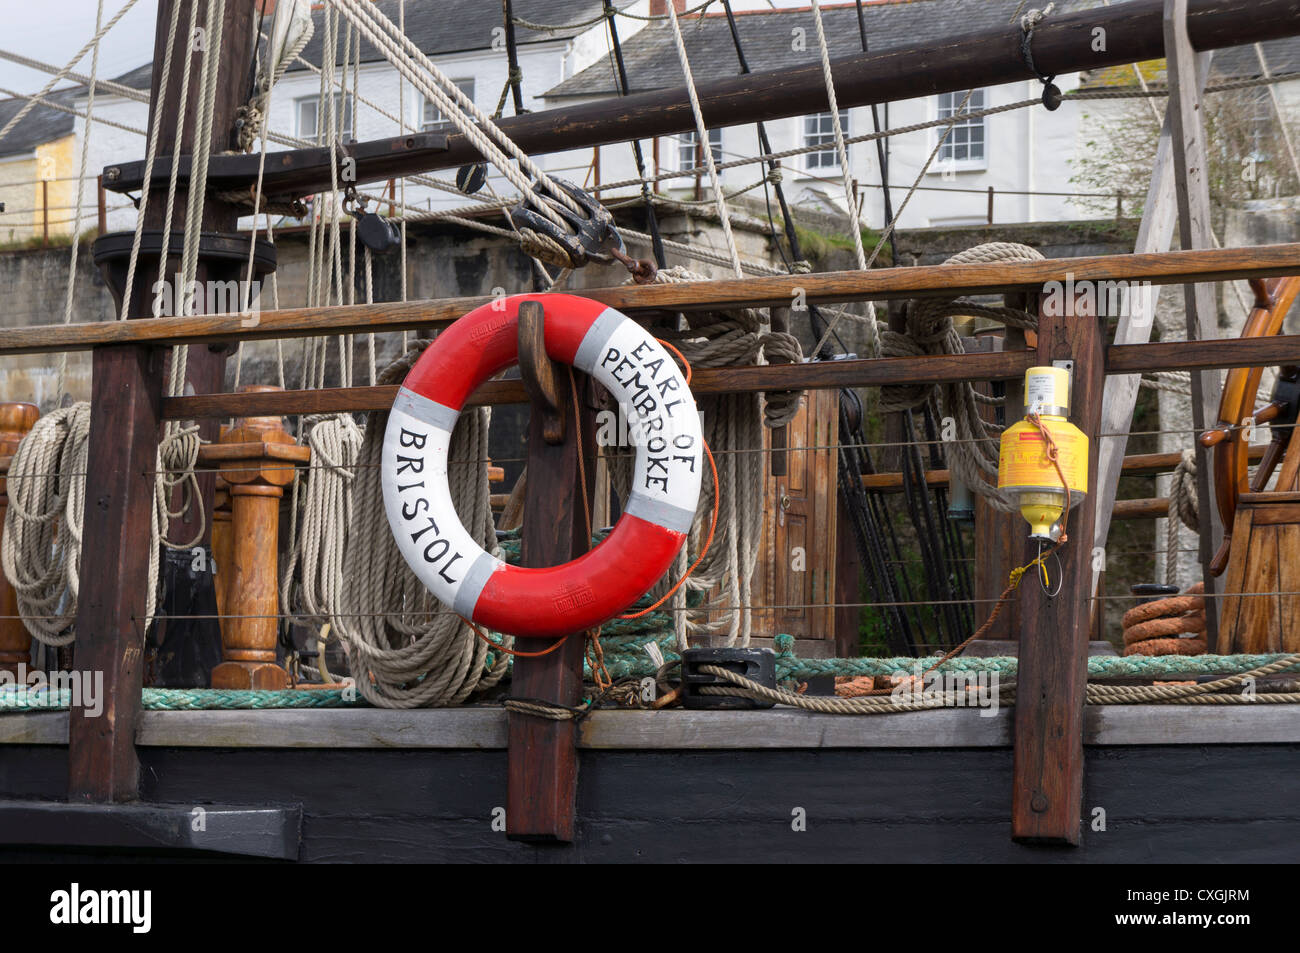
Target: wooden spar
[[16, 419], [878, 284], [1047, 766], [125, 415], [1062, 43], [542, 775], [998, 365], [1193, 191], [1155, 233]]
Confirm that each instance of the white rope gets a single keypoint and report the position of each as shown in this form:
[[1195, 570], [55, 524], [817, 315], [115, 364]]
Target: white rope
[[60, 107], [468, 119], [151, 154], [404, 650], [71, 286], [702, 135]]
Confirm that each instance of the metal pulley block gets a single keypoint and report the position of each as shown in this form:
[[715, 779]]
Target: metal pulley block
[[471, 178], [376, 232], [756, 664], [591, 235]]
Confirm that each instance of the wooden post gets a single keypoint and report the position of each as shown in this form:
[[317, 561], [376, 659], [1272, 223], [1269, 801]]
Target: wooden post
[[102, 205], [126, 404], [1193, 191], [222, 539], [1047, 766], [543, 766], [16, 420], [257, 459]]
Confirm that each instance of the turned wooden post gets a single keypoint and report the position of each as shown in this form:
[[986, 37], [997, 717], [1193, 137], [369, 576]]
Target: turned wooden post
[[256, 458], [15, 641], [222, 540]]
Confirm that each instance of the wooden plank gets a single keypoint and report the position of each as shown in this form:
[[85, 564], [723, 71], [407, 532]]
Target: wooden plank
[[1278, 514], [125, 408], [542, 780], [484, 729], [1048, 762], [1155, 233], [1193, 191], [1177, 267], [252, 831], [1288, 555], [1005, 365], [1235, 580], [1259, 624], [1200, 355], [715, 380]]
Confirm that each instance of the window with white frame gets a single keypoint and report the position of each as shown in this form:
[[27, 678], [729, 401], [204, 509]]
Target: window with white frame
[[819, 130], [431, 115], [965, 144], [312, 120], [688, 153]]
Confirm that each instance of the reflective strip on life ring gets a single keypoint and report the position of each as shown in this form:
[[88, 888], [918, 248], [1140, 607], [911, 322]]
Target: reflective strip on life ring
[[663, 424]]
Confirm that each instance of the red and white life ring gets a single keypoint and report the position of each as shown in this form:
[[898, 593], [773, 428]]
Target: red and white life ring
[[582, 593]]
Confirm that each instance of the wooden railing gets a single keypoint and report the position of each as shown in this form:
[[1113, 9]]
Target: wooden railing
[[128, 407]]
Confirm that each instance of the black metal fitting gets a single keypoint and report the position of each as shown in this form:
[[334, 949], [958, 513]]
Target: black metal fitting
[[1151, 591], [593, 238], [756, 664]]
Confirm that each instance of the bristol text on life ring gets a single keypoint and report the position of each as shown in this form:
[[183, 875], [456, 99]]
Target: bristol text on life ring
[[657, 515]]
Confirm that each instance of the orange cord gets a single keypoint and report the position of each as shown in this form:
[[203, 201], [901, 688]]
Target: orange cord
[[686, 365], [501, 648]]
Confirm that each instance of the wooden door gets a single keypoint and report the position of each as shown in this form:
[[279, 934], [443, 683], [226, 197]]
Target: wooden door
[[796, 571]]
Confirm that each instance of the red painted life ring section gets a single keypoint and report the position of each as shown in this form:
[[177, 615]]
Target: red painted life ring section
[[665, 426]]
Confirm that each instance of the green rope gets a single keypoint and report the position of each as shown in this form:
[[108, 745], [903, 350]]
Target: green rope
[[193, 699], [626, 657]]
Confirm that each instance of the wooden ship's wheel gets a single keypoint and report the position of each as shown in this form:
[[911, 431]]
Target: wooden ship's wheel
[[1261, 529]]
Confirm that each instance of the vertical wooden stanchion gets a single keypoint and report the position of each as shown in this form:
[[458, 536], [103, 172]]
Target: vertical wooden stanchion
[[1052, 679], [102, 206], [257, 459], [126, 404], [543, 769], [16, 419]]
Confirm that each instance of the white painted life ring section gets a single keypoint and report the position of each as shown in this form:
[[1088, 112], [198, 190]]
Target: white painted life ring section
[[663, 428]]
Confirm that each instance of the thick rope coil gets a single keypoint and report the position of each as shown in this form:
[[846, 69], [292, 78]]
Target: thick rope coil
[[42, 536], [1167, 626], [41, 550], [404, 649]]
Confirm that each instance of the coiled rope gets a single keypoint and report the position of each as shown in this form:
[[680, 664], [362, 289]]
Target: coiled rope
[[403, 649]]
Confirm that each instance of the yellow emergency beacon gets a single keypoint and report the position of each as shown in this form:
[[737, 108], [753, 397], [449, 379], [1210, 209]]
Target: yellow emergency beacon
[[1024, 467]]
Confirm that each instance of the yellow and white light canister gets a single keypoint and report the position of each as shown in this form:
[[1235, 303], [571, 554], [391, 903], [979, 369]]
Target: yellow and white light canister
[[1023, 465]]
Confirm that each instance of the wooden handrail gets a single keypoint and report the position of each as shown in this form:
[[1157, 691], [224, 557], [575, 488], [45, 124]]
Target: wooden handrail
[[1179, 267], [928, 369]]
